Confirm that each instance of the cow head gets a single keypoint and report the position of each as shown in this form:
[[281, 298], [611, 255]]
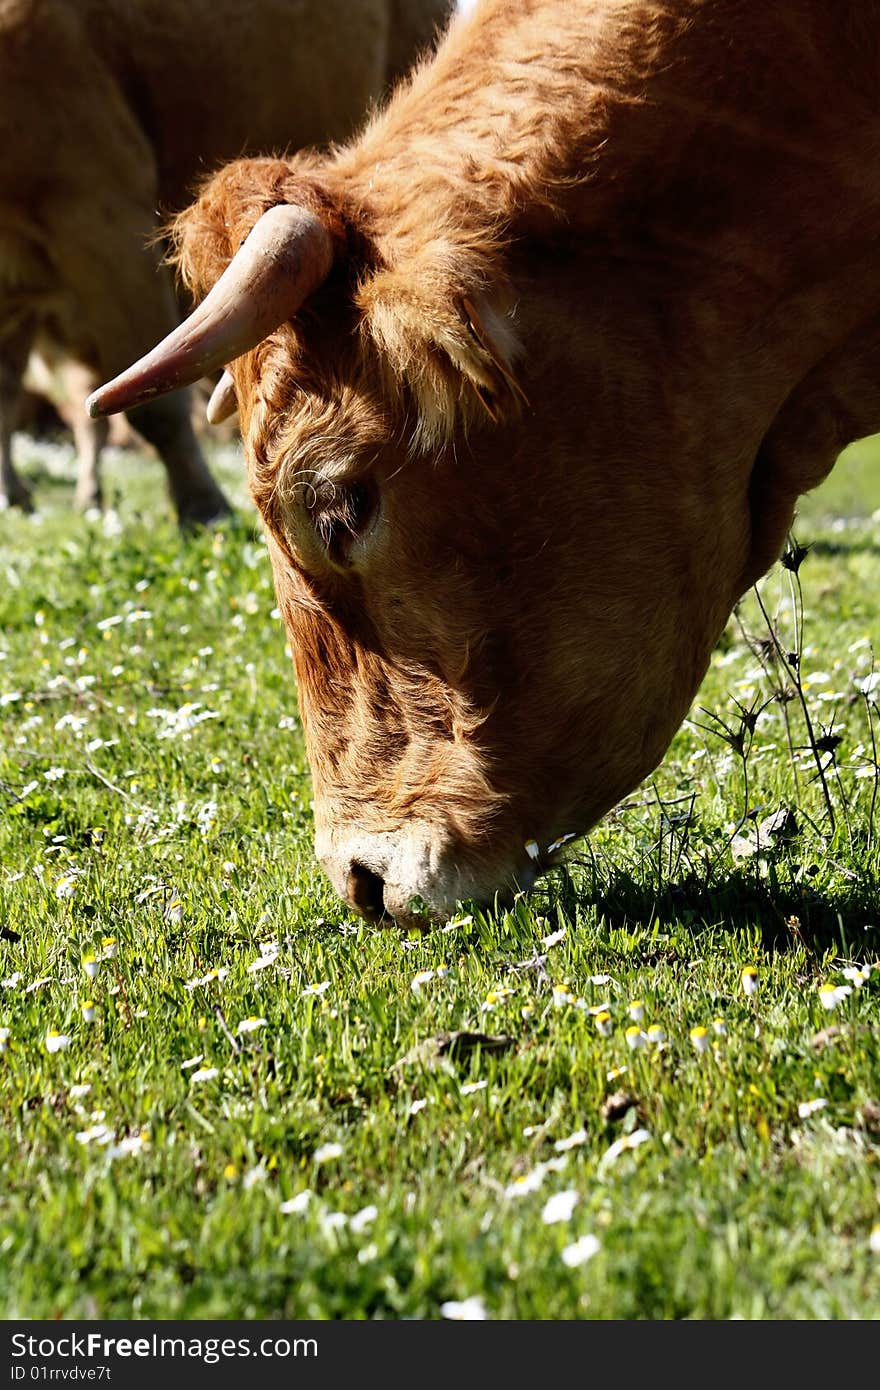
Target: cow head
[[489, 527]]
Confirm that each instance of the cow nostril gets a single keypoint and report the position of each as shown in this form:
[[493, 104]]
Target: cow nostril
[[365, 891]]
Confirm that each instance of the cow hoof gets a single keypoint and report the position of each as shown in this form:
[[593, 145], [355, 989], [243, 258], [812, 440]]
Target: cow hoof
[[17, 496], [206, 510], [89, 501]]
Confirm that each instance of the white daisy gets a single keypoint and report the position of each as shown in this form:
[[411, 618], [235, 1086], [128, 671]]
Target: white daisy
[[580, 1251], [471, 1309], [298, 1203], [572, 1142], [362, 1219], [830, 996], [809, 1107], [554, 938], [250, 1024], [326, 1152], [559, 1207]]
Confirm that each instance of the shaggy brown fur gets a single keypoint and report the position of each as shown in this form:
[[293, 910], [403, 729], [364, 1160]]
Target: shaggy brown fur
[[109, 110], [606, 301]]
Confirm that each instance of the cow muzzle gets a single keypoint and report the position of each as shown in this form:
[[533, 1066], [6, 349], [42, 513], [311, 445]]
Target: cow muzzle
[[410, 876]]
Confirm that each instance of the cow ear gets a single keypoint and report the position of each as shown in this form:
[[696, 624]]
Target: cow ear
[[486, 357], [423, 324]]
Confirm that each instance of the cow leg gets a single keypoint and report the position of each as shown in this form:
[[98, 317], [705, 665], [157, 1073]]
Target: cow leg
[[167, 425], [126, 302], [13, 356], [91, 437]]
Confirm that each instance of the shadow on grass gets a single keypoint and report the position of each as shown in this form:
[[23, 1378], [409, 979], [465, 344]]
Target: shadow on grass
[[844, 919]]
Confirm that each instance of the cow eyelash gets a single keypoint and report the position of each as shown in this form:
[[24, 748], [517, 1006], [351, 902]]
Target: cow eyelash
[[340, 515]]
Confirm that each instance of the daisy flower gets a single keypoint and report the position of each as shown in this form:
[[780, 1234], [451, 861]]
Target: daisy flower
[[253, 1176], [559, 1207], [200, 980], [91, 966], [573, 1141], [333, 1220], [554, 938], [88, 1010], [856, 974], [472, 1086], [471, 1309], [809, 1107], [362, 1219], [627, 1141], [830, 996], [422, 978], [700, 1038], [57, 1042], [495, 996], [526, 1183], [95, 1134], [205, 1074], [269, 952], [296, 1205], [636, 1010], [250, 1024], [326, 1152], [749, 979], [580, 1251], [562, 840], [132, 1144], [635, 1038]]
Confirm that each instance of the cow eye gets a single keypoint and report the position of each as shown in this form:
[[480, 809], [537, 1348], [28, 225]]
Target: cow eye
[[341, 514]]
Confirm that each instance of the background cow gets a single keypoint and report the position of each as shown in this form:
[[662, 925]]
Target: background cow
[[108, 111], [531, 376]]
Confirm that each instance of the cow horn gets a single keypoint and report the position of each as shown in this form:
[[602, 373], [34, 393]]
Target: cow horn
[[288, 254], [223, 402]]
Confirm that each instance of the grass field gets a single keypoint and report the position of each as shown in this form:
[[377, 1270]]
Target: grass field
[[652, 1091]]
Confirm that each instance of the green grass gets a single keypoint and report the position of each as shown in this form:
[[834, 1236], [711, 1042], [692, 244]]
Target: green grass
[[154, 790]]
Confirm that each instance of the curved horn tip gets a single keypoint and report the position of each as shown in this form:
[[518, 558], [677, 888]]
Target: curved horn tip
[[223, 402], [287, 255], [94, 406]]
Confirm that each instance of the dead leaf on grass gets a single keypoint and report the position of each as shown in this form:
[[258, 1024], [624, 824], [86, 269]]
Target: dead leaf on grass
[[452, 1046], [617, 1105]]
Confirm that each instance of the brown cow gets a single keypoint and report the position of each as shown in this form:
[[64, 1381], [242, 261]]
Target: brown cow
[[531, 375], [108, 111]]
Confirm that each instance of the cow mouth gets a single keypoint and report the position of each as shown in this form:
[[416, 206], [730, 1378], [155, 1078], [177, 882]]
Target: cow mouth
[[367, 893], [416, 878]]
